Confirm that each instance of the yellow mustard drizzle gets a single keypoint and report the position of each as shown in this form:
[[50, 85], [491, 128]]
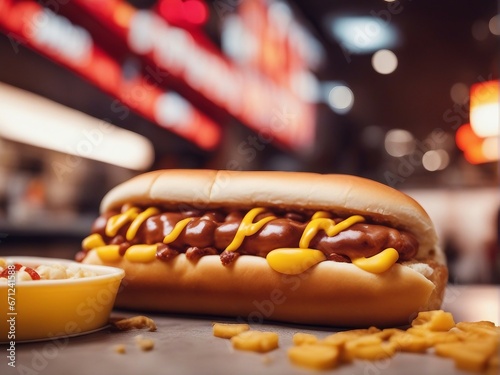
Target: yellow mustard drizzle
[[378, 263], [109, 253], [294, 261], [117, 221], [248, 227], [176, 231], [141, 253], [139, 219], [321, 214], [92, 241], [328, 225]]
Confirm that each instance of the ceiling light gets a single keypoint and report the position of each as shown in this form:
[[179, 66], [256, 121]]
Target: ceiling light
[[53, 126], [363, 34]]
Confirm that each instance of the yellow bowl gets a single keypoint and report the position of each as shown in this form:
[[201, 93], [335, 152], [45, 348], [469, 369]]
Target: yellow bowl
[[44, 309]]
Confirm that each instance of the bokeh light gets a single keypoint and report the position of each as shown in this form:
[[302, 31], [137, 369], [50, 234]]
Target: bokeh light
[[399, 142], [435, 160], [384, 61], [341, 99]]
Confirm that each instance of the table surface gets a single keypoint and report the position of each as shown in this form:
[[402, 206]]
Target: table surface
[[185, 345]]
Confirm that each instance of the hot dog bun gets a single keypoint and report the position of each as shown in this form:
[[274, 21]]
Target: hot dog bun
[[330, 293]]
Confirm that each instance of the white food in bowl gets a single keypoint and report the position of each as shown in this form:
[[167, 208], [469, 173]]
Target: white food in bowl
[[64, 307]]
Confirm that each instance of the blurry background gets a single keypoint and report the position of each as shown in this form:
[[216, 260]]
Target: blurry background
[[403, 92]]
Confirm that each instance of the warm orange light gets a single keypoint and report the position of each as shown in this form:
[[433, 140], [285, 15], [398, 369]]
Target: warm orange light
[[484, 93], [208, 137], [485, 108], [123, 14], [475, 155], [466, 138], [476, 150]]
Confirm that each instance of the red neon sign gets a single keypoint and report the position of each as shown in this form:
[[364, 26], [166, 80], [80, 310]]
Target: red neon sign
[[188, 57], [54, 36]]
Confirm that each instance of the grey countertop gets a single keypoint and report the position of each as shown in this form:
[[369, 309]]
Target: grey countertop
[[185, 345]]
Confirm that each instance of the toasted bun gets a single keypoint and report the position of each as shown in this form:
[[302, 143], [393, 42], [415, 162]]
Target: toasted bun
[[330, 293], [342, 194]]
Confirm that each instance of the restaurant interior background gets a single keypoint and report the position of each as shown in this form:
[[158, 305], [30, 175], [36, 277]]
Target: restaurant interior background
[[403, 92]]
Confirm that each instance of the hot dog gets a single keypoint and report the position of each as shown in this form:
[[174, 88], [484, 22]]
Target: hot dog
[[298, 247]]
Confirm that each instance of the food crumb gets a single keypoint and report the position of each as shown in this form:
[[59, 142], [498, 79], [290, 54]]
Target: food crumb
[[144, 344], [135, 322], [120, 349], [256, 341], [228, 330]]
